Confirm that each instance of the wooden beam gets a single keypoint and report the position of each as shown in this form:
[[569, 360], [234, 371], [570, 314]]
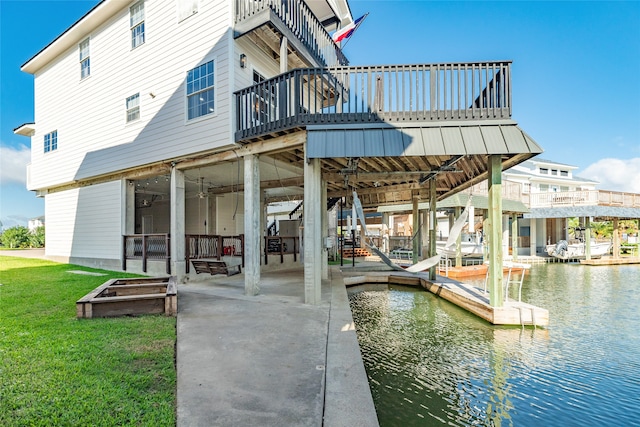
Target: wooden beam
[[296, 181]]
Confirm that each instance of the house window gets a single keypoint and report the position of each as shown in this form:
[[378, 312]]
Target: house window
[[564, 173], [136, 19], [554, 171], [85, 68], [264, 103], [133, 107], [527, 188], [544, 188], [51, 141], [564, 188], [200, 91], [544, 171]]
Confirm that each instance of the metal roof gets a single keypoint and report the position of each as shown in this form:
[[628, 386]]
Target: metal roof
[[398, 141]]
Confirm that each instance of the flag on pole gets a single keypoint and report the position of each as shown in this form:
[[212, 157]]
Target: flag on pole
[[346, 32]]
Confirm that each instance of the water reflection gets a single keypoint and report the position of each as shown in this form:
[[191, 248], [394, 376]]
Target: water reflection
[[431, 363]]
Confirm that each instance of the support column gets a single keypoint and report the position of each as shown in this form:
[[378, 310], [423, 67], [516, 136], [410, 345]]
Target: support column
[[252, 231], [415, 197], [129, 207], [432, 225], [385, 232], [458, 211], [505, 235], [514, 236], [533, 236], [312, 232], [177, 209], [424, 233], [587, 238], [284, 58], [325, 230], [616, 238], [496, 297]]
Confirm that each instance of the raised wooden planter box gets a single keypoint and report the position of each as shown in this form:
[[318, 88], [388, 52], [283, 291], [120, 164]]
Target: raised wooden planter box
[[127, 297]]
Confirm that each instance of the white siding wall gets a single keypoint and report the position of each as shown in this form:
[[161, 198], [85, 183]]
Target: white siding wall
[[85, 222], [225, 208], [89, 115]]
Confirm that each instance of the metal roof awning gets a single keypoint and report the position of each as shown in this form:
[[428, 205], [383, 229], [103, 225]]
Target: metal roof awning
[[464, 139]]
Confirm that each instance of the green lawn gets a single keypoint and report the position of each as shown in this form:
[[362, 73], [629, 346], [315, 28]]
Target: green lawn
[[56, 370]]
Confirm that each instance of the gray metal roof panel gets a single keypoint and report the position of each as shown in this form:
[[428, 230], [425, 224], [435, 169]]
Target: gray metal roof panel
[[515, 140], [494, 140], [433, 141], [413, 143], [453, 141], [354, 143], [473, 140], [393, 142]]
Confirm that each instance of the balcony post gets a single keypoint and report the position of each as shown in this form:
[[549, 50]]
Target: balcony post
[[458, 212]]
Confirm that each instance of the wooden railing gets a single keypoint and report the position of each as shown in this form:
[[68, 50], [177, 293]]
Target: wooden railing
[[396, 93], [281, 245], [304, 25], [584, 198], [213, 246], [146, 247]]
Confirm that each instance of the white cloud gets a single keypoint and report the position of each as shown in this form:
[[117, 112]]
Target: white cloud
[[13, 164], [615, 174]]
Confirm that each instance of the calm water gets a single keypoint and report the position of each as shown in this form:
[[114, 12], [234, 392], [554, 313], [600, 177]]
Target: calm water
[[431, 363]]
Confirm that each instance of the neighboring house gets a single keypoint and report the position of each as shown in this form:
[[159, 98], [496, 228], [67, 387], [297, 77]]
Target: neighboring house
[[553, 194], [163, 127], [35, 223]]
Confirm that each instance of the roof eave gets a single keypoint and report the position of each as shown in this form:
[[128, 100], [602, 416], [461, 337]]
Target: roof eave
[[83, 27]]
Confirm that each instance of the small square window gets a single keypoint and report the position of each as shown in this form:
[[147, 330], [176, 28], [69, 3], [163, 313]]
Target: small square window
[[133, 107], [51, 141], [85, 63], [136, 22], [564, 173], [544, 171]]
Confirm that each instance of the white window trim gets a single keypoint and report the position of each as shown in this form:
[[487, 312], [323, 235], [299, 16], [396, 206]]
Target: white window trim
[[126, 112], [215, 93], [44, 146], [87, 58], [143, 21]]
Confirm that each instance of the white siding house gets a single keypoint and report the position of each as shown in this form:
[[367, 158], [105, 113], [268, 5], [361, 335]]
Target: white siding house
[[164, 128]]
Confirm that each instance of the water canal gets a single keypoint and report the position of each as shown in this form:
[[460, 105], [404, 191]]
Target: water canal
[[432, 363]]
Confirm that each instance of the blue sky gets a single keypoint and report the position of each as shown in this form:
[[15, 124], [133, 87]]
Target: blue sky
[[576, 73]]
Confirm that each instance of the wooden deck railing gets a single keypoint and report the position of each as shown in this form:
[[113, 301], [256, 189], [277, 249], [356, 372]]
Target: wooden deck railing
[[146, 247], [214, 246], [584, 198], [304, 25], [395, 93]]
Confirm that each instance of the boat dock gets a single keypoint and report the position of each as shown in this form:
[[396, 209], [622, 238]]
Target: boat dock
[[470, 298], [611, 261]]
